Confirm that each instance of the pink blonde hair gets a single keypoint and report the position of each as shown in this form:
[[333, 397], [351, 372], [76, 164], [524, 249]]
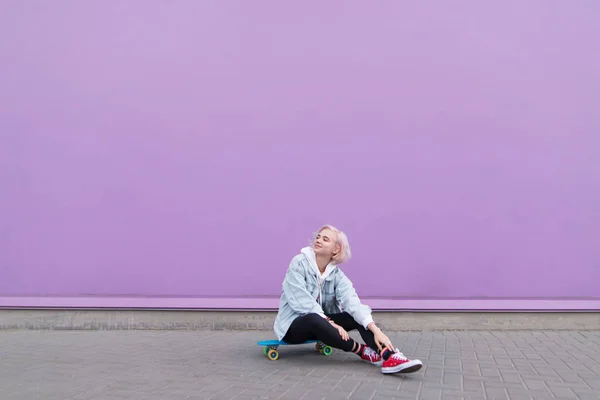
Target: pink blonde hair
[[341, 240]]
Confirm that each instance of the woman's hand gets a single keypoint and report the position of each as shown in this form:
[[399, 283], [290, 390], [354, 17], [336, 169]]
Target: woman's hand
[[381, 339], [341, 330]]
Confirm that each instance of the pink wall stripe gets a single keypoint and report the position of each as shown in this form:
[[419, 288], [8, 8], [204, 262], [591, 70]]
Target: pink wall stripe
[[272, 303]]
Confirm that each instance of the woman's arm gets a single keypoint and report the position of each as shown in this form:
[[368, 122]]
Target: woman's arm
[[380, 338], [296, 293], [360, 312], [346, 294]]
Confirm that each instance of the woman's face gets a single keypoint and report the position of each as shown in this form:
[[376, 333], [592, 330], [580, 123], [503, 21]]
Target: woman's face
[[325, 243]]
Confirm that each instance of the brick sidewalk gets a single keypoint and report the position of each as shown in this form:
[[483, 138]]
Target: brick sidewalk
[[229, 365]]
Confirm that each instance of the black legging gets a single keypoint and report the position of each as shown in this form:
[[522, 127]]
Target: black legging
[[314, 327]]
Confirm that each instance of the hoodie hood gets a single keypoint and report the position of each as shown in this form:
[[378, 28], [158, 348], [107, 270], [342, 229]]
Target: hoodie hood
[[312, 259]]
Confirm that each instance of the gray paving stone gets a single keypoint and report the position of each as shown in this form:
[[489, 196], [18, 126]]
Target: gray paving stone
[[520, 394], [559, 391], [496, 393], [472, 383], [535, 384], [586, 395], [594, 383], [388, 393], [511, 377], [155, 365]]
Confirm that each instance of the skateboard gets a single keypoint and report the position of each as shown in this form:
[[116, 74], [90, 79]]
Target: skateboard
[[270, 347]]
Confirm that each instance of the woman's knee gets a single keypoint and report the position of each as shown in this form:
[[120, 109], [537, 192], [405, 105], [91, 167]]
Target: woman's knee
[[315, 319]]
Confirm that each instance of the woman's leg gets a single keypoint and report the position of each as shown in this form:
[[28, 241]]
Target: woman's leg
[[391, 361], [367, 351], [346, 321], [315, 327]]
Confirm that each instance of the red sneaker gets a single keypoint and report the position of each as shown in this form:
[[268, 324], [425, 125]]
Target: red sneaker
[[371, 356], [399, 363]]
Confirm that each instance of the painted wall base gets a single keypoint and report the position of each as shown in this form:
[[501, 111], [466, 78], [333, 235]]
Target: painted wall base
[[272, 303], [23, 319], [96, 313]]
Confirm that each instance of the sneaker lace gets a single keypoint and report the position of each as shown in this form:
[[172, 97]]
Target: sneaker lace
[[369, 352], [398, 355]]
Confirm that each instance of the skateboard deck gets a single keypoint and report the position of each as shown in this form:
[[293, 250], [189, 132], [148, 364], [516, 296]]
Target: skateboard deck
[[270, 347]]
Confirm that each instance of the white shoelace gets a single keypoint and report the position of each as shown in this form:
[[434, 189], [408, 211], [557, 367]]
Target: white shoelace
[[369, 352], [398, 355]]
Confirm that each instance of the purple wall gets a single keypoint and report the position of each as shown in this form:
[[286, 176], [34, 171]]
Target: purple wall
[[189, 148]]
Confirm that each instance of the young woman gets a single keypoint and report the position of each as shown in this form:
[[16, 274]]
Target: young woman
[[315, 291]]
